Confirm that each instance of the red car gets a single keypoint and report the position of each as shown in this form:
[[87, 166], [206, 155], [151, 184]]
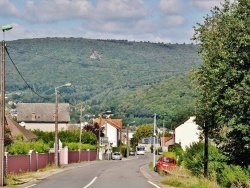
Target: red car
[[165, 163]]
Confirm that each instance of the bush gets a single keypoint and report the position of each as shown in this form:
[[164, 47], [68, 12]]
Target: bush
[[75, 146], [179, 153], [232, 176], [225, 175], [39, 146], [18, 148]]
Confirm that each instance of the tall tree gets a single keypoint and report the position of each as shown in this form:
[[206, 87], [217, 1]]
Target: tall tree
[[224, 79], [142, 131]]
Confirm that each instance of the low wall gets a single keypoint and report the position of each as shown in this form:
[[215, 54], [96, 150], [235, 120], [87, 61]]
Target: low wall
[[35, 161]]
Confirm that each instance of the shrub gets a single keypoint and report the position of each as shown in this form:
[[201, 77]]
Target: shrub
[[18, 148], [24, 147], [75, 146], [179, 153], [232, 176], [39, 146]]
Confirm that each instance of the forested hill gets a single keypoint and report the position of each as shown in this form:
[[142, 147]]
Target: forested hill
[[103, 73]]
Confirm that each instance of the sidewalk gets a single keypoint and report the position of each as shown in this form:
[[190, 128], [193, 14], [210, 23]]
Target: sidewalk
[[154, 177]]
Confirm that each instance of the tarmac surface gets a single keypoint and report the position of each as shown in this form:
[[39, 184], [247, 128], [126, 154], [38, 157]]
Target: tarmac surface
[[149, 174]]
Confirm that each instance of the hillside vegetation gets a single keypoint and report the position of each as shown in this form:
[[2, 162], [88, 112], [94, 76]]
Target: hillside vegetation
[[133, 79]]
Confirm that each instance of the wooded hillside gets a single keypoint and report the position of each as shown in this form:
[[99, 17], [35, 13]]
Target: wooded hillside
[[133, 79]]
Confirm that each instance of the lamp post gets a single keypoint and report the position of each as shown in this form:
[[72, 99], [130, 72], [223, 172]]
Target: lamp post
[[56, 122], [2, 115], [154, 140], [128, 145]]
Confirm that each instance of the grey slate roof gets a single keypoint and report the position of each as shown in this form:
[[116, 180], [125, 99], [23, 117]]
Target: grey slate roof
[[17, 129], [42, 112]]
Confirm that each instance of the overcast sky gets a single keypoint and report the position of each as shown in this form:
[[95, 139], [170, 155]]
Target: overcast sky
[[168, 21]]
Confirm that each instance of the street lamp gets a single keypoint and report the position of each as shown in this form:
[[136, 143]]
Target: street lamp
[[2, 116], [56, 122], [154, 140], [128, 146]]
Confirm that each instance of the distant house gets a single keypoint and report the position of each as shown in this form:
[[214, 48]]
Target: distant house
[[166, 142], [17, 130], [42, 116], [187, 133], [112, 131], [148, 142]]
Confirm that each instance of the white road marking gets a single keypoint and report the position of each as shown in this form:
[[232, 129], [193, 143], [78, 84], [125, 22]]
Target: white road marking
[[153, 184], [90, 182], [30, 186]]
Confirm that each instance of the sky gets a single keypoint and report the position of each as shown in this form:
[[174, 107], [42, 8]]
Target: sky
[[167, 21]]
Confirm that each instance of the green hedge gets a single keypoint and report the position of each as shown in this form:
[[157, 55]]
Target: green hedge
[[20, 147]]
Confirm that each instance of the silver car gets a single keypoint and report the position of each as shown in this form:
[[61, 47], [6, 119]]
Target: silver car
[[116, 156]]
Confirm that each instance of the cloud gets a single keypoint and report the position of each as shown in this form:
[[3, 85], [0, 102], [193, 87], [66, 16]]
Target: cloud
[[53, 10], [120, 9], [206, 4], [173, 21], [170, 6], [56, 10], [8, 9]]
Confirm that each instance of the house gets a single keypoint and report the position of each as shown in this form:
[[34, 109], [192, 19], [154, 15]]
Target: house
[[148, 142], [112, 131], [166, 142], [42, 116], [187, 133], [17, 130]]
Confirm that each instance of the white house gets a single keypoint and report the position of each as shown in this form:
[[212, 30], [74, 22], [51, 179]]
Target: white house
[[187, 133], [111, 129], [42, 116]]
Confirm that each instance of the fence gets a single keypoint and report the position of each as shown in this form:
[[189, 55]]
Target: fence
[[35, 161]]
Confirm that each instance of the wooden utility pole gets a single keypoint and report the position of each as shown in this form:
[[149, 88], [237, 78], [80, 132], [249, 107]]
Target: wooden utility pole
[[2, 115]]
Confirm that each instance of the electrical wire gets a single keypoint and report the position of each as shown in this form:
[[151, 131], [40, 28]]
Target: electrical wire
[[22, 76]]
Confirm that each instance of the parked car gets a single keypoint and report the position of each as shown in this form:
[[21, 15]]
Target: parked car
[[159, 152], [116, 156], [131, 153], [165, 163]]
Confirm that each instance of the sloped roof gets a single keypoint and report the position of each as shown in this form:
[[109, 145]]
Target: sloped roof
[[17, 129], [42, 112], [117, 123], [166, 139]]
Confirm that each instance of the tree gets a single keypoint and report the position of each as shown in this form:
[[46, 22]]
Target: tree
[[142, 131], [224, 79], [95, 129]]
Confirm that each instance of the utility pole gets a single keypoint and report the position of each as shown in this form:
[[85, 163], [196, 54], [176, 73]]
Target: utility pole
[[205, 150], [56, 128], [80, 139], [2, 107], [154, 140], [2, 114]]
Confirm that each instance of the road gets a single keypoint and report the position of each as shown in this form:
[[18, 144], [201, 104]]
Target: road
[[100, 174]]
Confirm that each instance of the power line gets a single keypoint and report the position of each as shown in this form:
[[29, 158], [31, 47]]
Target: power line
[[22, 76]]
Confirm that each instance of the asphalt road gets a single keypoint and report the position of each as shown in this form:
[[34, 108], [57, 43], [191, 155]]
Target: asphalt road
[[101, 174]]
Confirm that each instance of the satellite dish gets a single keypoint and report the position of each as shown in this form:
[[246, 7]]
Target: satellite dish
[[22, 124]]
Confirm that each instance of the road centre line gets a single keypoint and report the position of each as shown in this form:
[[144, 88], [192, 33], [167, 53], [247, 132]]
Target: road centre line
[[154, 184], [90, 182]]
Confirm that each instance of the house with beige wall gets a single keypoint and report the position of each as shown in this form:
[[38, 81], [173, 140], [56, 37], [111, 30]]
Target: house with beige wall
[[42, 116]]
